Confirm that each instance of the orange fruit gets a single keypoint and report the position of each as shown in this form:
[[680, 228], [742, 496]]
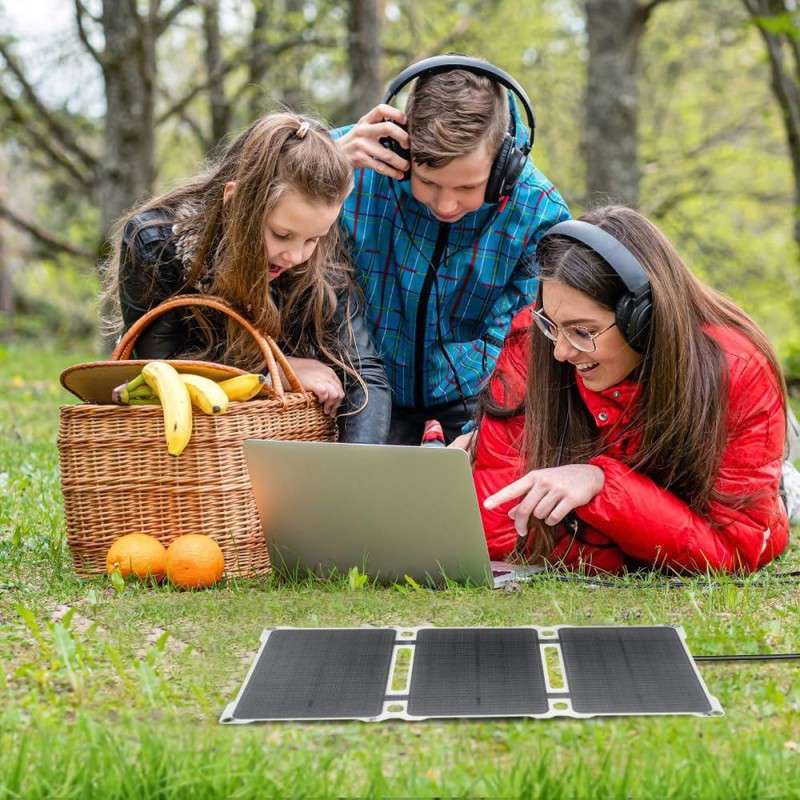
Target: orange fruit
[[194, 561], [137, 554]]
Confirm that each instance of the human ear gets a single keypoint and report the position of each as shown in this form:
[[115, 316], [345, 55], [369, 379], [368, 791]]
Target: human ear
[[227, 191]]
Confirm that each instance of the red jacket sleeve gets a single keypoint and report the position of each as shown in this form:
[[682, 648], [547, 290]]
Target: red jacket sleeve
[[651, 524]]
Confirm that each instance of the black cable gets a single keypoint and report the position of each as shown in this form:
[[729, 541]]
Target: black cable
[[669, 583], [439, 339], [750, 657]]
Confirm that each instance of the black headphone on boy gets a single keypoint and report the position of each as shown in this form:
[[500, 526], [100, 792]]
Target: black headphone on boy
[[634, 310], [510, 158]]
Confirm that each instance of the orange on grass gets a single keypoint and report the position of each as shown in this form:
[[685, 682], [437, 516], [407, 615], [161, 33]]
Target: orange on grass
[[194, 561], [137, 554]]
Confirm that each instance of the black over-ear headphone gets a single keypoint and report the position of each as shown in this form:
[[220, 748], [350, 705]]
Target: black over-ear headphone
[[634, 309], [511, 158]]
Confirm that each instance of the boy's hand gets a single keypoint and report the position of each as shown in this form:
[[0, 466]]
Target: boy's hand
[[362, 144], [320, 379], [462, 441], [549, 494]]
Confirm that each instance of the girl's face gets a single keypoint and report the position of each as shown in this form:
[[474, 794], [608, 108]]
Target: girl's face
[[612, 361], [293, 228]]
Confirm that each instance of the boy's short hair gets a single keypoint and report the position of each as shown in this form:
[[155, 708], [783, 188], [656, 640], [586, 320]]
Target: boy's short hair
[[450, 114]]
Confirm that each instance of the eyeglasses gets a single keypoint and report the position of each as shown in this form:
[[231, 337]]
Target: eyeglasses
[[577, 336]]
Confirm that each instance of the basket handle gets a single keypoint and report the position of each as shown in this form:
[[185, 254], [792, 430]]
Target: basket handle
[[266, 344]]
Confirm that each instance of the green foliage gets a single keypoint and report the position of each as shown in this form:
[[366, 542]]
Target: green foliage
[[716, 172], [779, 24]]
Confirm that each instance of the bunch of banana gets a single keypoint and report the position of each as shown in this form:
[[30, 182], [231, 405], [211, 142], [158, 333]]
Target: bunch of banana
[[159, 383]]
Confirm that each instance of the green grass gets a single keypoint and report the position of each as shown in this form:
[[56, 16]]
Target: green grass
[[120, 697]]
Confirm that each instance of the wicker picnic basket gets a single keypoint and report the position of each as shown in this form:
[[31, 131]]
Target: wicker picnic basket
[[117, 477]]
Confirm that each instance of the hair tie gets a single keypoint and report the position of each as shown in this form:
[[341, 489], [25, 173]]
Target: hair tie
[[303, 130]]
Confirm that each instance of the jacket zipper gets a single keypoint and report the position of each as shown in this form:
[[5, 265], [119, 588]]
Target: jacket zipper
[[422, 314]]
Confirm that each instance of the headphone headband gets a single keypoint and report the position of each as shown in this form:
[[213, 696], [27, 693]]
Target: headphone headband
[[634, 309], [611, 250], [446, 63]]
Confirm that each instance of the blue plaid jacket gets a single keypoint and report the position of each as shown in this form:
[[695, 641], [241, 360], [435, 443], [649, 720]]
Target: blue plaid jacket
[[440, 331]]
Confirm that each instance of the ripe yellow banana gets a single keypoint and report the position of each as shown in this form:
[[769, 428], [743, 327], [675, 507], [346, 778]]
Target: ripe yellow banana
[[175, 402], [205, 394], [243, 387]]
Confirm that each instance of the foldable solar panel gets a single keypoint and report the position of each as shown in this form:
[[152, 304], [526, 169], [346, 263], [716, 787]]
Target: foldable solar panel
[[374, 674]]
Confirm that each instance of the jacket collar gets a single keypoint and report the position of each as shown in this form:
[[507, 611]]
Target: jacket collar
[[610, 405]]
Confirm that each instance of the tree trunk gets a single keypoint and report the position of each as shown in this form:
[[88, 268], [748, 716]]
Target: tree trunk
[[129, 72], [779, 27], [365, 55], [293, 94], [257, 63], [218, 103], [615, 29]]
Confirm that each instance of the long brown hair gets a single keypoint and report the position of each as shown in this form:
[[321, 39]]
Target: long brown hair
[[680, 416], [265, 161]]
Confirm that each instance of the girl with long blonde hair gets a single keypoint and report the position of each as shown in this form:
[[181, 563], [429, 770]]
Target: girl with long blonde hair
[[258, 228]]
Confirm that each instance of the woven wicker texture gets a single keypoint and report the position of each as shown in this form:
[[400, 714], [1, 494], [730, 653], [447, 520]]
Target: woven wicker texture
[[117, 476]]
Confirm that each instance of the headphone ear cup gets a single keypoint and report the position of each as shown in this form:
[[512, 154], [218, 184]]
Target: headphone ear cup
[[640, 323], [622, 315], [516, 163], [633, 316], [496, 181], [392, 144]]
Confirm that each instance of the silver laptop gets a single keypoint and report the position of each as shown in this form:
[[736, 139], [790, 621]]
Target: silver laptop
[[390, 511]]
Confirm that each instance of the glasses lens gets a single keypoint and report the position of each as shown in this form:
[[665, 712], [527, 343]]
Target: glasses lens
[[547, 327], [580, 339]]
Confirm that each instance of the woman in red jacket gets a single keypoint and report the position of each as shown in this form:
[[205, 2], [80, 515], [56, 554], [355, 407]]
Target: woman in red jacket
[[635, 416]]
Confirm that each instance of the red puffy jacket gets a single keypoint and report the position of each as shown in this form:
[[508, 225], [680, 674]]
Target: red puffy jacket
[[632, 520]]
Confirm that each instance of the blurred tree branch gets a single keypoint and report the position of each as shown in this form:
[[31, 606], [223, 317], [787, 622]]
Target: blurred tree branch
[[44, 143], [166, 19], [779, 25], [55, 126], [44, 236], [80, 13]]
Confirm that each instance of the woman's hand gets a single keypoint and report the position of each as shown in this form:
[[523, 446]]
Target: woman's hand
[[463, 441], [320, 379], [549, 494], [362, 147]]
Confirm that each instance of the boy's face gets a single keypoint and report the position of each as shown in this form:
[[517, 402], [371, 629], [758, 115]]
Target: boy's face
[[454, 190]]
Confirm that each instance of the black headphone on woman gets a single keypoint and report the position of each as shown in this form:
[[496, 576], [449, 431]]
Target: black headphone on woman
[[510, 158], [634, 310]]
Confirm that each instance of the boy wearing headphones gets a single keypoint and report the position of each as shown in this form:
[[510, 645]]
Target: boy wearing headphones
[[443, 222]]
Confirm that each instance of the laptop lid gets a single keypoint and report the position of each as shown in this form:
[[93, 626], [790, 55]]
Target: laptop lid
[[391, 511]]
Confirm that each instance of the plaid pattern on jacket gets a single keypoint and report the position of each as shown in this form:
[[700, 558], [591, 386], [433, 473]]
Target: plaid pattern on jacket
[[458, 318]]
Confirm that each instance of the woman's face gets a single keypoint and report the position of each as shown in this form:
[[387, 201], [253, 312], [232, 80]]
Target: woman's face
[[613, 360], [293, 228]]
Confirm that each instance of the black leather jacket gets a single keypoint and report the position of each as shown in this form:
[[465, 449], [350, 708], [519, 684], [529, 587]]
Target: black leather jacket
[[150, 272]]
